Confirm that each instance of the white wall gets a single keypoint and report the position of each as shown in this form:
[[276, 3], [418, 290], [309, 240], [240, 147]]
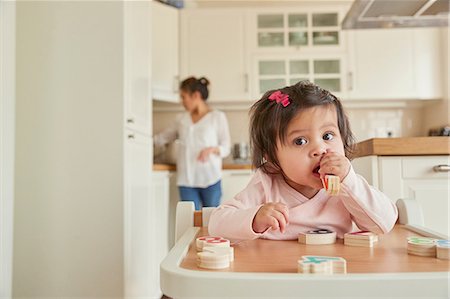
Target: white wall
[[7, 106], [68, 238], [365, 122]]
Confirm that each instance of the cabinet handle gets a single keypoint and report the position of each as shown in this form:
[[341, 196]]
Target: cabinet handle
[[130, 121], [130, 136], [441, 168], [245, 82], [350, 81]]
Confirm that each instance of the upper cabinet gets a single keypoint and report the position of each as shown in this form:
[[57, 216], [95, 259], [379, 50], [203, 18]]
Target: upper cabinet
[[165, 52], [213, 46], [137, 66], [290, 45], [246, 52], [311, 28], [395, 64]]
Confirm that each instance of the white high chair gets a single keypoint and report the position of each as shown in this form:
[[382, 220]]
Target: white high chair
[[410, 213], [187, 216]]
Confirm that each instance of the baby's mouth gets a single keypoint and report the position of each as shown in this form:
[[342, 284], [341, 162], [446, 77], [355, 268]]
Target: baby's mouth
[[316, 171]]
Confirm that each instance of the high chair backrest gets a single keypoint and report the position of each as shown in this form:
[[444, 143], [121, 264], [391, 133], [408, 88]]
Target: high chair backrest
[[409, 212], [187, 216]]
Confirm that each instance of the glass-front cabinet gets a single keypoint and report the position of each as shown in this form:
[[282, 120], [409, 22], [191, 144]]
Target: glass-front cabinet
[[297, 29], [276, 72]]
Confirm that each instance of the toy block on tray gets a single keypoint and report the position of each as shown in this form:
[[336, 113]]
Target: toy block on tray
[[227, 250], [421, 246], [213, 241], [361, 238], [332, 184], [317, 237], [322, 265], [215, 252], [443, 249], [213, 260]]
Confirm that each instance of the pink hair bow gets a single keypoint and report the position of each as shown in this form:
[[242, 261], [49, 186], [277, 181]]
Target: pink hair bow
[[280, 98]]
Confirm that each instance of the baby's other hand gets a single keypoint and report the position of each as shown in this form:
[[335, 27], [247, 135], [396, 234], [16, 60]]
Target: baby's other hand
[[271, 215], [334, 163]]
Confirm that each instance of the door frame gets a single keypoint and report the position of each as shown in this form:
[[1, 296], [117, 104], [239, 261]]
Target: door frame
[[7, 141]]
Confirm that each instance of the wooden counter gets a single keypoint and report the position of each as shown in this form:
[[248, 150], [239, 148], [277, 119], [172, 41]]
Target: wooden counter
[[173, 167], [264, 268], [411, 146]]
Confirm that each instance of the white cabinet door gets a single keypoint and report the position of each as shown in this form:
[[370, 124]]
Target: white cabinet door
[[165, 46], [234, 181], [137, 66], [138, 217], [160, 200], [413, 177], [382, 64], [213, 43], [395, 64]]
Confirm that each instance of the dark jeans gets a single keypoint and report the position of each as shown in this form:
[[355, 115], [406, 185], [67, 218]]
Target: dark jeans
[[202, 197]]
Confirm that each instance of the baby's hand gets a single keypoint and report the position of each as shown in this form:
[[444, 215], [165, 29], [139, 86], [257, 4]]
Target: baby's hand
[[335, 164], [274, 215]]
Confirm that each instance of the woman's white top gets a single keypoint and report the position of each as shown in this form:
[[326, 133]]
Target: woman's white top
[[210, 131]]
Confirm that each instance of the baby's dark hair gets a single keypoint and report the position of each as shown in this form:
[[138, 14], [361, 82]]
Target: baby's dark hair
[[269, 120], [193, 84]]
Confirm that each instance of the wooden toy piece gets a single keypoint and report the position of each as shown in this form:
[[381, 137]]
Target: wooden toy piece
[[421, 246], [227, 250], [201, 240], [322, 265], [332, 184], [213, 260], [217, 243], [317, 237], [361, 238], [443, 249]]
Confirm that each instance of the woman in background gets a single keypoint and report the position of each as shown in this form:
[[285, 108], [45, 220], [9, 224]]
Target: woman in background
[[204, 140]]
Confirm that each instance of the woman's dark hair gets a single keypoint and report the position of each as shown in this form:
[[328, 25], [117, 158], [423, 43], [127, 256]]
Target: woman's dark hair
[[193, 84], [269, 120]]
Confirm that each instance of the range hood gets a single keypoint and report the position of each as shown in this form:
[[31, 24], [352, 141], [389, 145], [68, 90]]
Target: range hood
[[397, 14]]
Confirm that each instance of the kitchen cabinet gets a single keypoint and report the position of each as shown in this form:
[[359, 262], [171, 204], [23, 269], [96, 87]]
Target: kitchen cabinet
[[213, 46], [275, 71], [290, 45], [412, 177], [82, 228], [137, 59], [140, 247], [395, 64], [165, 52], [311, 28], [234, 181], [161, 222]]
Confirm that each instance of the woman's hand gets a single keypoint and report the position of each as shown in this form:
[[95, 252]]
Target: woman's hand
[[335, 164], [204, 154], [271, 215]]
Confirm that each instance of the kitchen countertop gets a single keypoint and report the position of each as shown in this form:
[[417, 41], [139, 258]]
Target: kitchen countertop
[[172, 167], [409, 146]]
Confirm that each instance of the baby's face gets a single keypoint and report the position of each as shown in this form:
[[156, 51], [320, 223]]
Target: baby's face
[[311, 133]]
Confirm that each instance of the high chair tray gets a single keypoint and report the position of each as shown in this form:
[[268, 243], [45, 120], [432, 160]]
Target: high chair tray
[[266, 268]]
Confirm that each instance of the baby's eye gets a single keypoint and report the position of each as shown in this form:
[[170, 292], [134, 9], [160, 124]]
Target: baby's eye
[[300, 141], [328, 136]]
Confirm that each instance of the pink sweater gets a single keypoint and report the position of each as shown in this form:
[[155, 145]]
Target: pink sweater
[[357, 201]]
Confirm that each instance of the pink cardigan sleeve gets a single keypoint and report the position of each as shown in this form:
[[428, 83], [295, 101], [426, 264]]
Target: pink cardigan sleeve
[[234, 218], [370, 208]]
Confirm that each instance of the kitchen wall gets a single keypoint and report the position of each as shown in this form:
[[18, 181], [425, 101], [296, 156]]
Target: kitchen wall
[[366, 122]]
